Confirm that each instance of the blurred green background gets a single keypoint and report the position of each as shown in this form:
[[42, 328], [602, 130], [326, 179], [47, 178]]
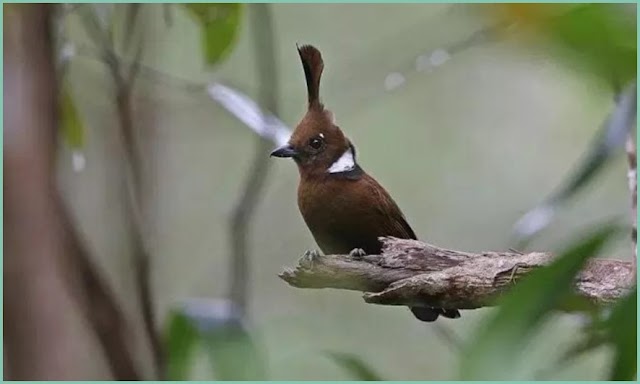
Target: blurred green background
[[465, 149]]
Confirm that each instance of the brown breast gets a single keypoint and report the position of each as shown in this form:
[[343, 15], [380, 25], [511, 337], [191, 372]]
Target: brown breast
[[343, 214]]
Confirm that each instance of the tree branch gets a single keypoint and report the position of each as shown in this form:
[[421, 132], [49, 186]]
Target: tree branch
[[135, 220], [132, 163], [410, 272]]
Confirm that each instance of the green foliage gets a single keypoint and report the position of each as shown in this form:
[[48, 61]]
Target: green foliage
[[619, 331], [493, 354], [355, 366], [220, 24], [232, 352], [600, 38], [603, 36], [72, 129], [181, 342], [621, 327]]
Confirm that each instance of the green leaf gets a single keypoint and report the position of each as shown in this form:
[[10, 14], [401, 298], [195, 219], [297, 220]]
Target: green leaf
[[493, 355], [181, 341], [601, 36], [72, 129], [234, 354], [355, 366], [220, 24], [619, 330], [231, 349], [623, 332]]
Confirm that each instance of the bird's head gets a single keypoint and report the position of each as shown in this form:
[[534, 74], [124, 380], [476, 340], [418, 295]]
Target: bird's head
[[317, 145]]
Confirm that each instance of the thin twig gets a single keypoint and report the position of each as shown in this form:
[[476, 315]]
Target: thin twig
[[131, 39], [633, 189], [190, 87], [141, 252], [130, 24], [239, 227], [132, 168]]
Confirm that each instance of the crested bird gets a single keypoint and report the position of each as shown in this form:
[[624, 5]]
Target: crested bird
[[345, 209]]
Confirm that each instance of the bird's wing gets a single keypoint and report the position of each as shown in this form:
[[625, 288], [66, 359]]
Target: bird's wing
[[394, 221]]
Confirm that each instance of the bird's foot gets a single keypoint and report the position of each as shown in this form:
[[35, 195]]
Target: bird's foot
[[310, 255], [357, 253]]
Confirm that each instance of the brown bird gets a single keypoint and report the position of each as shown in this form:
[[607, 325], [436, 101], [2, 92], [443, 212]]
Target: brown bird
[[345, 209]]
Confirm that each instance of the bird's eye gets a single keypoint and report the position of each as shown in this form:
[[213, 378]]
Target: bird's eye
[[315, 143]]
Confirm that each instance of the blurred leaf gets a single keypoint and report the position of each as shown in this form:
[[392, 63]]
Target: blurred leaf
[[573, 303], [231, 350], [234, 354], [220, 23], [618, 330], [610, 138], [181, 341], [600, 37], [603, 37], [497, 345], [622, 327], [355, 366], [72, 129]]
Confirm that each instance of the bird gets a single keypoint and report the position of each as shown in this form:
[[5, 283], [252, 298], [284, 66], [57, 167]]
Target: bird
[[345, 209]]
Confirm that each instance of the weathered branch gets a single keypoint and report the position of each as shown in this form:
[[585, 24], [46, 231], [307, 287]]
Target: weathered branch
[[410, 272]]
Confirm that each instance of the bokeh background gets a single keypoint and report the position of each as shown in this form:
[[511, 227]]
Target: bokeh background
[[465, 147]]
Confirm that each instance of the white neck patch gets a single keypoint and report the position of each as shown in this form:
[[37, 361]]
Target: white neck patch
[[345, 163]]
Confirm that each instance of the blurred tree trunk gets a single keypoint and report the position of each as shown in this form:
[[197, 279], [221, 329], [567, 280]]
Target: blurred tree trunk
[[60, 320]]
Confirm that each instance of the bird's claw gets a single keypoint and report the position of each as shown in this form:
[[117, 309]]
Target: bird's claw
[[310, 255], [357, 253]]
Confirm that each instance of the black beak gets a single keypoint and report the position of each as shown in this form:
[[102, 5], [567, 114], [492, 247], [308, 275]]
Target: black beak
[[284, 151]]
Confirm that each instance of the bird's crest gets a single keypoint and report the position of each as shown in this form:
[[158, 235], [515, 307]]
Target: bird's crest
[[313, 66]]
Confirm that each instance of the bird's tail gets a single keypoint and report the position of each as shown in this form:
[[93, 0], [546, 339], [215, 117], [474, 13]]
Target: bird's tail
[[431, 314]]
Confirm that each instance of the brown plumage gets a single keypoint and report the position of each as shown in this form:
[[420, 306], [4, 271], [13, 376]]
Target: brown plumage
[[344, 208]]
